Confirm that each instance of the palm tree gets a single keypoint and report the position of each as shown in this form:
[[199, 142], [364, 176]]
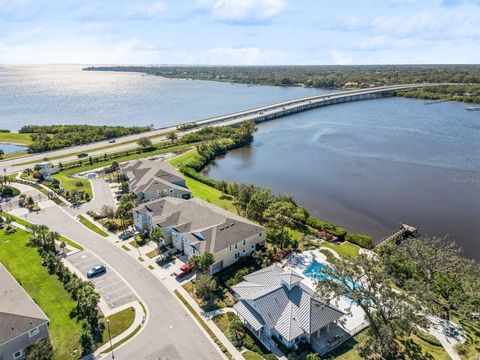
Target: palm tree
[[172, 136], [74, 285], [63, 246], [1, 153], [157, 235]]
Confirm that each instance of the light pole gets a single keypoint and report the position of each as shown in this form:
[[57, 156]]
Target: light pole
[[110, 337]]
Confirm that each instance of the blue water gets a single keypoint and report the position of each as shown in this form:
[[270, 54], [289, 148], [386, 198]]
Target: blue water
[[316, 271], [10, 148]]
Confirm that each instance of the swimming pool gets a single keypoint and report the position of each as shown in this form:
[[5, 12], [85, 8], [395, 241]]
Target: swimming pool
[[316, 271]]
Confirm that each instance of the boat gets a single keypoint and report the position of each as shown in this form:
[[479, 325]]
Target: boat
[[473, 108]]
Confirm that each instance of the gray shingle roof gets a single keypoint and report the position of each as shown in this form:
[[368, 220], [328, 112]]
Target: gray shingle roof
[[152, 175], [208, 227], [18, 312], [284, 303]]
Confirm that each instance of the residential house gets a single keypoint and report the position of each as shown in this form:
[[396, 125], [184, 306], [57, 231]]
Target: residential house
[[46, 170], [195, 226], [154, 179], [274, 302], [22, 322]]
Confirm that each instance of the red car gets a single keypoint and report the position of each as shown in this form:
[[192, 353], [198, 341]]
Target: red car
[[185, 270]]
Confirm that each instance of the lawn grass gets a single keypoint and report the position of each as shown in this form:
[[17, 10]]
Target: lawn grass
[[472, 345], [152, 254], [250, 355], [134, 244], [209, 194], [28, 225], [345, 249], [151, 267], [24, 263], [422, 349], [15, 154], [125, 247], [178, 161], [69, 183], [119, 322], [15, 138], [204, 325], [85, 222]]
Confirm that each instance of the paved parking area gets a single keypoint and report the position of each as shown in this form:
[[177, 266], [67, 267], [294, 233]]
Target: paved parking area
[[110, 286]]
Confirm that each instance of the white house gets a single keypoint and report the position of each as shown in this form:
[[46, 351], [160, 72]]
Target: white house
[[154, 179], [195, 226], [274, 302], [46, 170]]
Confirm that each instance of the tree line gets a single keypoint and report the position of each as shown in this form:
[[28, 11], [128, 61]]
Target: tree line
[[334, 77], [51, 137], [277, 212]]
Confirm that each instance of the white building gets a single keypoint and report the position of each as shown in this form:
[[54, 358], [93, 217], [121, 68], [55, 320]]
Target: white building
[[195, 227]]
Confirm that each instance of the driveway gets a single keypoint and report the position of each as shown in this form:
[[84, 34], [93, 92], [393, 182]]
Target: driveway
[[170, 333], [102, 195], [110, 286]]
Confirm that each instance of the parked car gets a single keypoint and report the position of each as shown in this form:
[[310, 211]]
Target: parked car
[[186, 269], [82, 155], [125, 235], [96, 271], [111, 141]]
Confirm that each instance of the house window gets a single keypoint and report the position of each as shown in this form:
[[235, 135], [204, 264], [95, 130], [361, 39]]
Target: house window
[[253, 246], [33, 332], [237, 255], [18, 354], [230, 247], [236, 246], [259, 234], [243, 242], [243, 250]]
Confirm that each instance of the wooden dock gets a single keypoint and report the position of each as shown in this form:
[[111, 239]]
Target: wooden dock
[[403, 231]]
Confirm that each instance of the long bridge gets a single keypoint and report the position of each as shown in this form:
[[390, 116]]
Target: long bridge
[[257, 115], [285, 108]]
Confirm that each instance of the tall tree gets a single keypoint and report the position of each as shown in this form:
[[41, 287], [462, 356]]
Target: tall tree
[[279, 216], [157, 235], [144, 143], [259, 202], [440, 277], [392, 314], [205, 285], [172, 136]]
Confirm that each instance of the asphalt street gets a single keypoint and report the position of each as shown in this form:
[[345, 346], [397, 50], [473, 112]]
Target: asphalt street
[[170, 333]]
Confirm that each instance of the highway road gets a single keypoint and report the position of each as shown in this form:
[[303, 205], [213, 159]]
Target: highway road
[[169, 333], [254, 114]]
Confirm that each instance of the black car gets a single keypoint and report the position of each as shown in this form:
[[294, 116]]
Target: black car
[[82, 155], [96, 271]]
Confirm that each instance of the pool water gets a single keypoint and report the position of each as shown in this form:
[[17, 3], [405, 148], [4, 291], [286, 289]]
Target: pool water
[[316, 271]]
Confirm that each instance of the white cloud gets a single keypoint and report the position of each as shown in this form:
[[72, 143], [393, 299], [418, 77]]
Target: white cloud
[[243, 11], [142, 12], [340, 58], [240, 55]]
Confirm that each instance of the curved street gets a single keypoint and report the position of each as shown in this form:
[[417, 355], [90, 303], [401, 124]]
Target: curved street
[[169, 333]]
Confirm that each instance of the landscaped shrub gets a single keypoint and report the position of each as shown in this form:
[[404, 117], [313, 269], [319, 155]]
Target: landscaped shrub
[[327, 226], [361, 240], [428, 338]]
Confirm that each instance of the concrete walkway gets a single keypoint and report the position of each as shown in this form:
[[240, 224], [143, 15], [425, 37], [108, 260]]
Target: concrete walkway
[[139, 320], [214, 328]]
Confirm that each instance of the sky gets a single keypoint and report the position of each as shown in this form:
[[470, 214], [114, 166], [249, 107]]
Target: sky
[[234, 32]]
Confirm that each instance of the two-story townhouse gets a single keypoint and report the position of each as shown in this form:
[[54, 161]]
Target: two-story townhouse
[[154, 179], [22, 322], [195, 226]]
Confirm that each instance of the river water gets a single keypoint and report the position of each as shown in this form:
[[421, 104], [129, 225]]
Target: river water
[[365, 165]]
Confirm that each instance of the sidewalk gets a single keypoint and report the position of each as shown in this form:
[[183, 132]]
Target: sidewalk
[[218, 333], [140, 319]]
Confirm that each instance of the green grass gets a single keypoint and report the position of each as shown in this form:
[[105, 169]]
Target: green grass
[[27, 224], [178, 161], [119, 322], [141, 259], [472, 345], [151, 267], [125, 339], [422, 349], [345, 249], [250, 355], [15, 154], [203, 324], [24, 263], [91, 226], [15, 138], [70, 183], [125, 247], [209, 194], [134, 244]]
